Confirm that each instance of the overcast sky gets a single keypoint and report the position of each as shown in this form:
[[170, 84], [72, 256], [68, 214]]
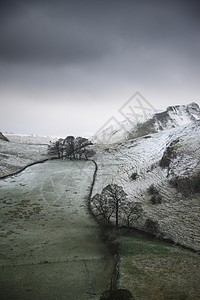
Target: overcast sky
[[66, 67]]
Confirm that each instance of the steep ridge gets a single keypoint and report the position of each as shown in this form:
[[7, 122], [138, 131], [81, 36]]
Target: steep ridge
[[172, 117], [168, 160]]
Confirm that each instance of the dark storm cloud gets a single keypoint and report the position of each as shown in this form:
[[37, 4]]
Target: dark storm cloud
[[47, 34], [73, 32], [98, 44]]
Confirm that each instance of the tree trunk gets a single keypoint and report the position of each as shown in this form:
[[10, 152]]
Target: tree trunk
[[128, 222], [58, 153], [117, 214]]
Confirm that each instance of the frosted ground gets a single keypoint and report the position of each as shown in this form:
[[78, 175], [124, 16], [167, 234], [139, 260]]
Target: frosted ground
[[50, 245]]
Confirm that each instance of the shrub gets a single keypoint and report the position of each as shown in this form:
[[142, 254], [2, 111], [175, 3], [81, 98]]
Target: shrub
[[155, 196], [156, 199], [134, 176], [151, 226], [152, 190]]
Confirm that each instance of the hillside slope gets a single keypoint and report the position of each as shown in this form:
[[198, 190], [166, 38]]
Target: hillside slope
[[168, 160], [14, 156]]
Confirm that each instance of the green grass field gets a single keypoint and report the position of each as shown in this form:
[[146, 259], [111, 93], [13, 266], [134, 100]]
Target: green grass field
[[156, 270], [50, 245]]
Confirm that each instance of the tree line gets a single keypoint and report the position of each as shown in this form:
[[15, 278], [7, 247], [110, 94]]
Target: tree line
[[112, 207], [72, 148]]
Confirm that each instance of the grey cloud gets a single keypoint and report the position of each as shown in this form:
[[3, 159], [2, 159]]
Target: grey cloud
[[36, 37], [74, 32]]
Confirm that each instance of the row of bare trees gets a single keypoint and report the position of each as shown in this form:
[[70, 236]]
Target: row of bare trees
[[71, 147], [112, 205]]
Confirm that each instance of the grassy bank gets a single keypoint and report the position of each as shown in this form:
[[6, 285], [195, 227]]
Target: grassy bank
[[156, 270]]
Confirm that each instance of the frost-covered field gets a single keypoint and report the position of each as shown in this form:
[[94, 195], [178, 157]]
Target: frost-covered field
[[178, 216], [50, 245], [14, 156]]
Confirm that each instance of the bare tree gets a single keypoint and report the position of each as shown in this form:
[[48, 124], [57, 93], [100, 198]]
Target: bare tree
[[132, 212], [102, 209], [110, 203], [116, 195]]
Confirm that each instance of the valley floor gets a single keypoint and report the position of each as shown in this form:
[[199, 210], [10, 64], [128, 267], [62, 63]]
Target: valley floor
[[50, 245]]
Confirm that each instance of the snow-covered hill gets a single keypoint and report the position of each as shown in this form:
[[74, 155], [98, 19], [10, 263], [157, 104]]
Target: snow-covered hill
[[130, 128], [167, 156]]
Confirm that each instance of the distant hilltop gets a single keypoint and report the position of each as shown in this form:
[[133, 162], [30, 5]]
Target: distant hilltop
[[29, 139]]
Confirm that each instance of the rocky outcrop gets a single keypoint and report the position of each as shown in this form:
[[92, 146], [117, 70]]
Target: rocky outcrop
[[173, 117], [2, 137], [169, 155]]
